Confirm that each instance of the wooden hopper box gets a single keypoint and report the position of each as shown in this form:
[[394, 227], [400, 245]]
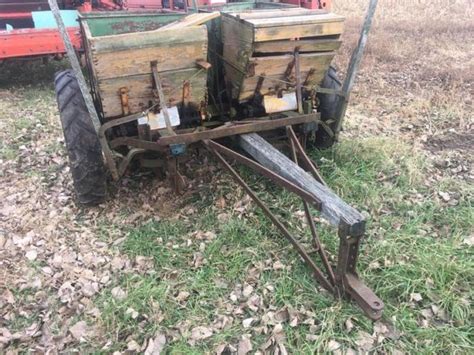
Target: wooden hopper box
[[259, 46], [120, 49]]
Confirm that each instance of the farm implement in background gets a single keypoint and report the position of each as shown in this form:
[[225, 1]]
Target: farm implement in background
[[28, 29], [228, 78]]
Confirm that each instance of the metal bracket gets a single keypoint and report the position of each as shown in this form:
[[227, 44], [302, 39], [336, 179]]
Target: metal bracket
[[176, 179], [299, 93], [342, 282], [161, 96], [347, 279], [124, 101], [289, 70], [186, 93], [259, 85], [329, 91]]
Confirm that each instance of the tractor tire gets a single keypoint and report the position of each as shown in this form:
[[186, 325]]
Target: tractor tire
[[328, 109], [83, 146]]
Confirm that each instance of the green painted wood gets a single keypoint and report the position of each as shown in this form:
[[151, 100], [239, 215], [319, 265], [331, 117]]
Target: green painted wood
[[230, 7], [113, 24], [245, 5]]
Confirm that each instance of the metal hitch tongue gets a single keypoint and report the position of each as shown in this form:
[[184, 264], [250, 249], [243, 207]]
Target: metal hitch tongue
[[307, 184]]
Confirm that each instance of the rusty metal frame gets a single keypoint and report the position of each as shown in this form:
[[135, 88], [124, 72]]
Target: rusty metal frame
[[318, 274], [161, 95], [342, 282], [264, 171], [234, 129], [128, 158], [184, 136], [353, 67], [346, 277]]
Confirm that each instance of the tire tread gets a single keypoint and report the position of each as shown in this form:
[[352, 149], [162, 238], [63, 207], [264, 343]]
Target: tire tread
[[84, 150], [327, 108]]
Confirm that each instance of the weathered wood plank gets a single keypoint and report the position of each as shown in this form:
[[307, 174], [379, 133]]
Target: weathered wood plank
[[304, 45], [234, 30], [333, 208], [140, 90], [237, 38], [305, 19], [148, 39], [236, 56], [137, 60], [124, 61], [252, 42], [191, 20], [274, 65], [247, 88], [272, 13], [105, 23], [300, 31], [234, 79]]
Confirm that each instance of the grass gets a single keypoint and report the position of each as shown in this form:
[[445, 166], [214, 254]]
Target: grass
[[26, 319], [27, 117], [415, 72], [413, 245]]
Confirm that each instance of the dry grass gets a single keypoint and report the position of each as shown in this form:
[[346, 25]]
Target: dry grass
[[113, 277], [418, 69]]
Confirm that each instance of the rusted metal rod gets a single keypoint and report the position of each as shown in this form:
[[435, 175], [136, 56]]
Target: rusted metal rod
[[301, 152], [299, 94], [264, 125], [354, 67], [161, 96], [312, 226], [76, 67], [81, 81], [318, 244], [265, 172], [299, 248]]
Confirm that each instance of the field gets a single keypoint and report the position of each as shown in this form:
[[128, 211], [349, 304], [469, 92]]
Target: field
[[206, 272]]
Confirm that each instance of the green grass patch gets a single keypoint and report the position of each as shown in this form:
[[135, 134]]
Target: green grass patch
[[414, 244], [23, 74]]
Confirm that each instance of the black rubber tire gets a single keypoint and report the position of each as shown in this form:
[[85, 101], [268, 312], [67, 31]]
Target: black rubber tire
[[83, 146], [328, 109]]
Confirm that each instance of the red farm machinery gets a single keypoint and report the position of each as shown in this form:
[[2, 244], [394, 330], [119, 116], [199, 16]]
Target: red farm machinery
[[28, 30]]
